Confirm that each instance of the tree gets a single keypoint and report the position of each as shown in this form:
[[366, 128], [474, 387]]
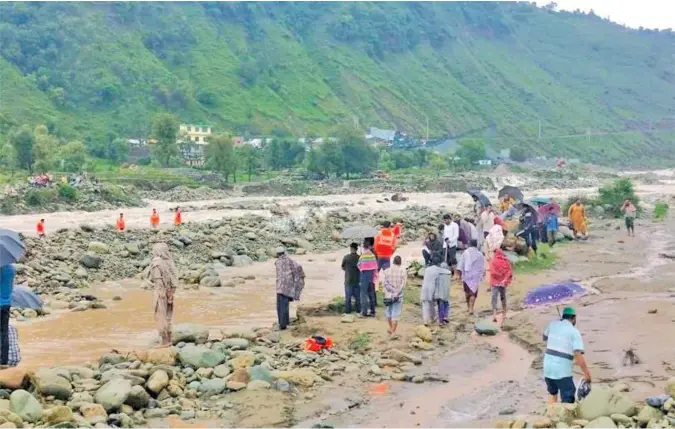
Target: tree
[[315, 163], [437, 163], [421, 157], [117, 151], [291, 153], [332, 158], [385, 163], [471, 150], [23, 140], [220, 155], [358, 156], [44, 149], [518, 154], [165, 130], [73, 156], [8, 158], [250, 158], [272, 153]]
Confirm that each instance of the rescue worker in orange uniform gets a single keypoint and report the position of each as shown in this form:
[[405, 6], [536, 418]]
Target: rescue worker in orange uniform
[[41, 228], [178, 218], [385, 244], [120, 225], [154, 219]]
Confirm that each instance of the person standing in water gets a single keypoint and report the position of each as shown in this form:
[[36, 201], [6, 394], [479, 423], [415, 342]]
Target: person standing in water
[[629, 210], [154, 219], [164, 277]]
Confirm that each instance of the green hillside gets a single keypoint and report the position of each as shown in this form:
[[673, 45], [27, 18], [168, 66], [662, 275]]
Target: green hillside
[[494, 70]]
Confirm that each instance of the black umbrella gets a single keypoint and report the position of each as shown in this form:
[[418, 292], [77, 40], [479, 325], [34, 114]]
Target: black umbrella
[[511, 191], [11, 247], [485, 201]]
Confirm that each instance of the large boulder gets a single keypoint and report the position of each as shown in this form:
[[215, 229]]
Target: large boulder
[[259, 372], [160, 356], [485, 327], [236, 343], [51, 383], [241, 261], [300, 377], [566, 232], [670, 387], [601, 422], [200, 357], [562, 412], [648, 413], [24, 405], [138, 398], [424, 333], [113, 394], [98, 247], [401, 356], [605, 402], [189, 333], [157, 381], [91, 260], [93, 412], [59, 414], [243, 360], [210, 281], [132, 248], [214, 386]]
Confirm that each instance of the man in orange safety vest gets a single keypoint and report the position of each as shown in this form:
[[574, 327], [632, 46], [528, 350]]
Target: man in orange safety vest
[[385, 244]]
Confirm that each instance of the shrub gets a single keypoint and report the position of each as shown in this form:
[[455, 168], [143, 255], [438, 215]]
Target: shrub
[[660, 210], [67, 192], [615, 194], [8, 205], [146, 160], [34, 198]]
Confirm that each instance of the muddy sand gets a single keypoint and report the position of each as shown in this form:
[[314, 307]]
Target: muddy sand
[[631, 307]]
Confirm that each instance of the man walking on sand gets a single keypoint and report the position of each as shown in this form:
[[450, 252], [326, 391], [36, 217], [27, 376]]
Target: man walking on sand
[[564, 347], [629, 210]]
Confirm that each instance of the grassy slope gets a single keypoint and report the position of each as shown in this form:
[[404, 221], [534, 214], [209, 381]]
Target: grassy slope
[[571, 72]]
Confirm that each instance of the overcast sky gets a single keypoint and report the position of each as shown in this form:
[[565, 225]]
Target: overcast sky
[[632, 13]]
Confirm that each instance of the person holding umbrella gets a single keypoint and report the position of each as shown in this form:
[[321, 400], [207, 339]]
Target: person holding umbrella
[[7, 273]]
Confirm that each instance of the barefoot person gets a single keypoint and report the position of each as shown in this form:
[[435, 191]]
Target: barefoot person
[[629, 210], [164, 277], [564, 347], [471, 270], [501, 275], [394, 281], [577, 215]]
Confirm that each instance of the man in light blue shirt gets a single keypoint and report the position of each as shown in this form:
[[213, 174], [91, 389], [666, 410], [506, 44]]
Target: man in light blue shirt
[[564, 346]]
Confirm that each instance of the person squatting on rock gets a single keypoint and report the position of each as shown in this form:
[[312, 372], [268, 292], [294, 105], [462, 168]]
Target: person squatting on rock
[[350, 265], [290, 283], [564, 347], [164, 277]]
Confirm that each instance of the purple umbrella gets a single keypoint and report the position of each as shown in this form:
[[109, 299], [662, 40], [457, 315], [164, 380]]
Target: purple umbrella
[[553, 294]]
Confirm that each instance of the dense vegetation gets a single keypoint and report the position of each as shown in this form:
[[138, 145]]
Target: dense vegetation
[[95, 72]]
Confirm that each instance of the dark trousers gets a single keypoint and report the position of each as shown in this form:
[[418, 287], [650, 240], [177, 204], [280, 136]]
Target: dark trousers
[[427, 257], [283, 310], [4, 334], [352, 291], [530, 236], [368, 297]]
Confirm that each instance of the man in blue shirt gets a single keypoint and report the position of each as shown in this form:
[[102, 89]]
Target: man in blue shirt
[[7, 273], [564, 346], [551, 225]]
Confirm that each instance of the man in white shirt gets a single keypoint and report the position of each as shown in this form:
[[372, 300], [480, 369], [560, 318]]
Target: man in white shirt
[[450, 237]]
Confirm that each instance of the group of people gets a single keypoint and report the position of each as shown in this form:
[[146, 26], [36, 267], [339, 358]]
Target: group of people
[[120, 222]]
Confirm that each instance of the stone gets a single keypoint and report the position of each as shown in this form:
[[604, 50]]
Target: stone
[[241, 261], [348, 318], [138, 398], [648, 413], [8, 417], [503, 424], [300, 377], [566, 232], [670, 387], [236, 343], [621, 419], [113, 394], [579, 422], [282, 385], [200, 357], [132, 248], [261, 373], [424, 333], [541, 423], [258, 385], [58, 414], [244, 360], [601, 422], [221, 371], [29, 313], [485, 327], [159, 356], [24, 405], [235, 386], [156, 413], [157, 381], [621, 387], [399, 376], [98, 247], [189, 333], [210, 281], [402, 356], [91, 260], [519, 424], [562, 412], [49, 383], [93, 412], [214, 386], [240, 376], [605, 402], [251, 235]]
